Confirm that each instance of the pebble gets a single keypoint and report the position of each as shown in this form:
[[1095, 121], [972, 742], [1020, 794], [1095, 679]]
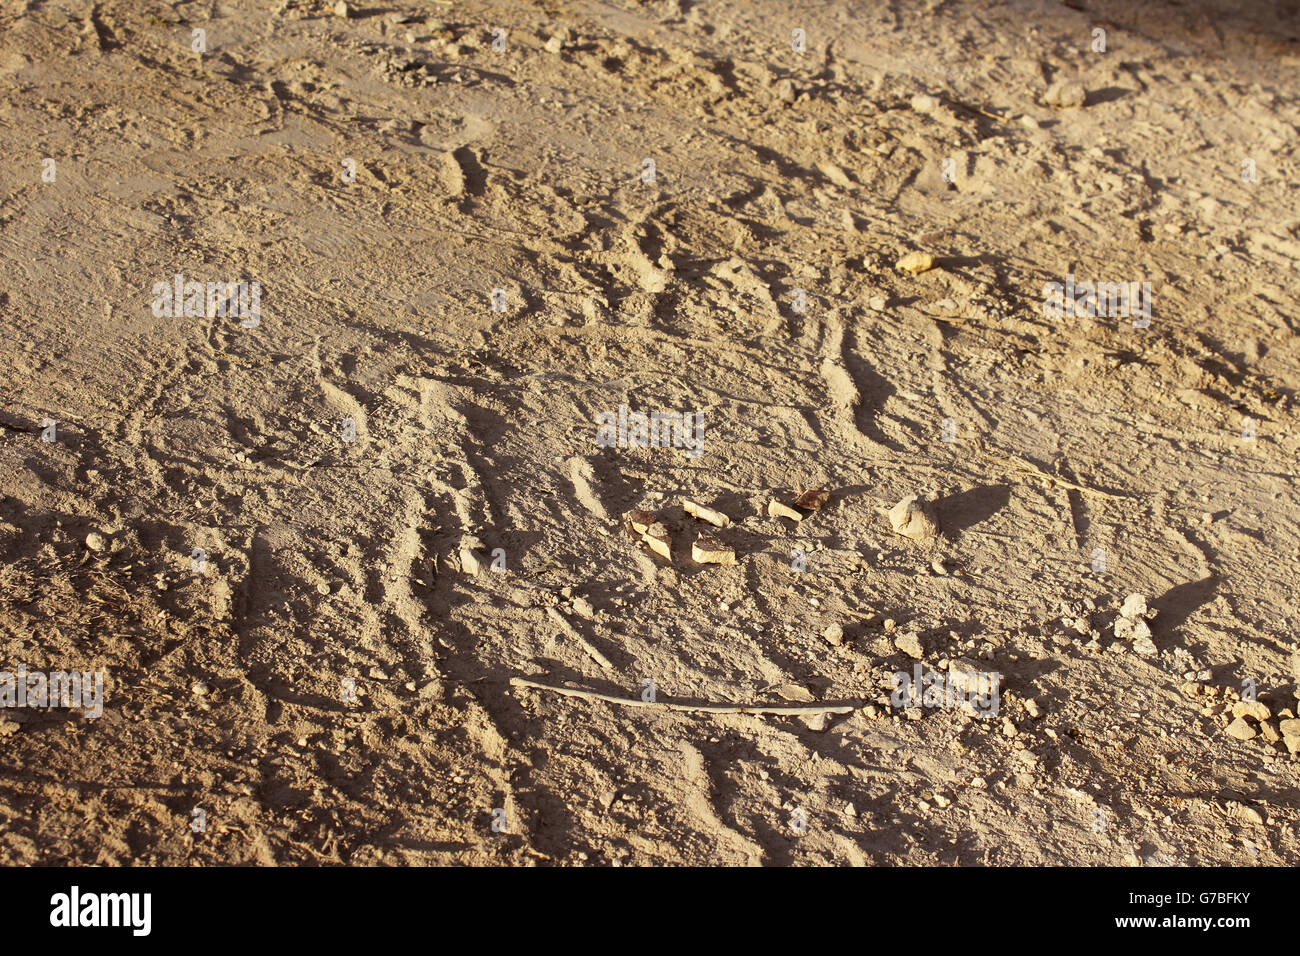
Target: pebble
[[1251, 708], [876, 303], [200, 689], [914, 518], [914, 263], [582, 607], [834, 633], [1240, 730], [1067, 94], [1134, 607], [817, 722], [924, 104], [1142, 643], [937, 567], [910, 645], [95, 541], [341, 9]]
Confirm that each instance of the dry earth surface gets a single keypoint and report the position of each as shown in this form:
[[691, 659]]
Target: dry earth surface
[[327, 678]]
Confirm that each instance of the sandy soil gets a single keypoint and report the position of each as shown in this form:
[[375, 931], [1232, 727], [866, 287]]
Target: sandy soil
[[329, 681]]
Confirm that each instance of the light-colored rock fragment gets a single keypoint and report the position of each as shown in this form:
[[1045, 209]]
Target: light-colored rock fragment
[[910, 645], [470, 561], [834, 633], [1251, 708], [914, 518], [914, 263], [1244, 813], [1134, 607], [969, 677], [95, 541], [1067, 94], [796, 693], [817, 722], [777, 510], [696, 510], [639, 521], [660, 542], [709, 550], [1240, 730], [924, 104]]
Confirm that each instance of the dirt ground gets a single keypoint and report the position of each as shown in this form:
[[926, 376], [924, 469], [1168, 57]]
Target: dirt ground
[[265, 533]]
